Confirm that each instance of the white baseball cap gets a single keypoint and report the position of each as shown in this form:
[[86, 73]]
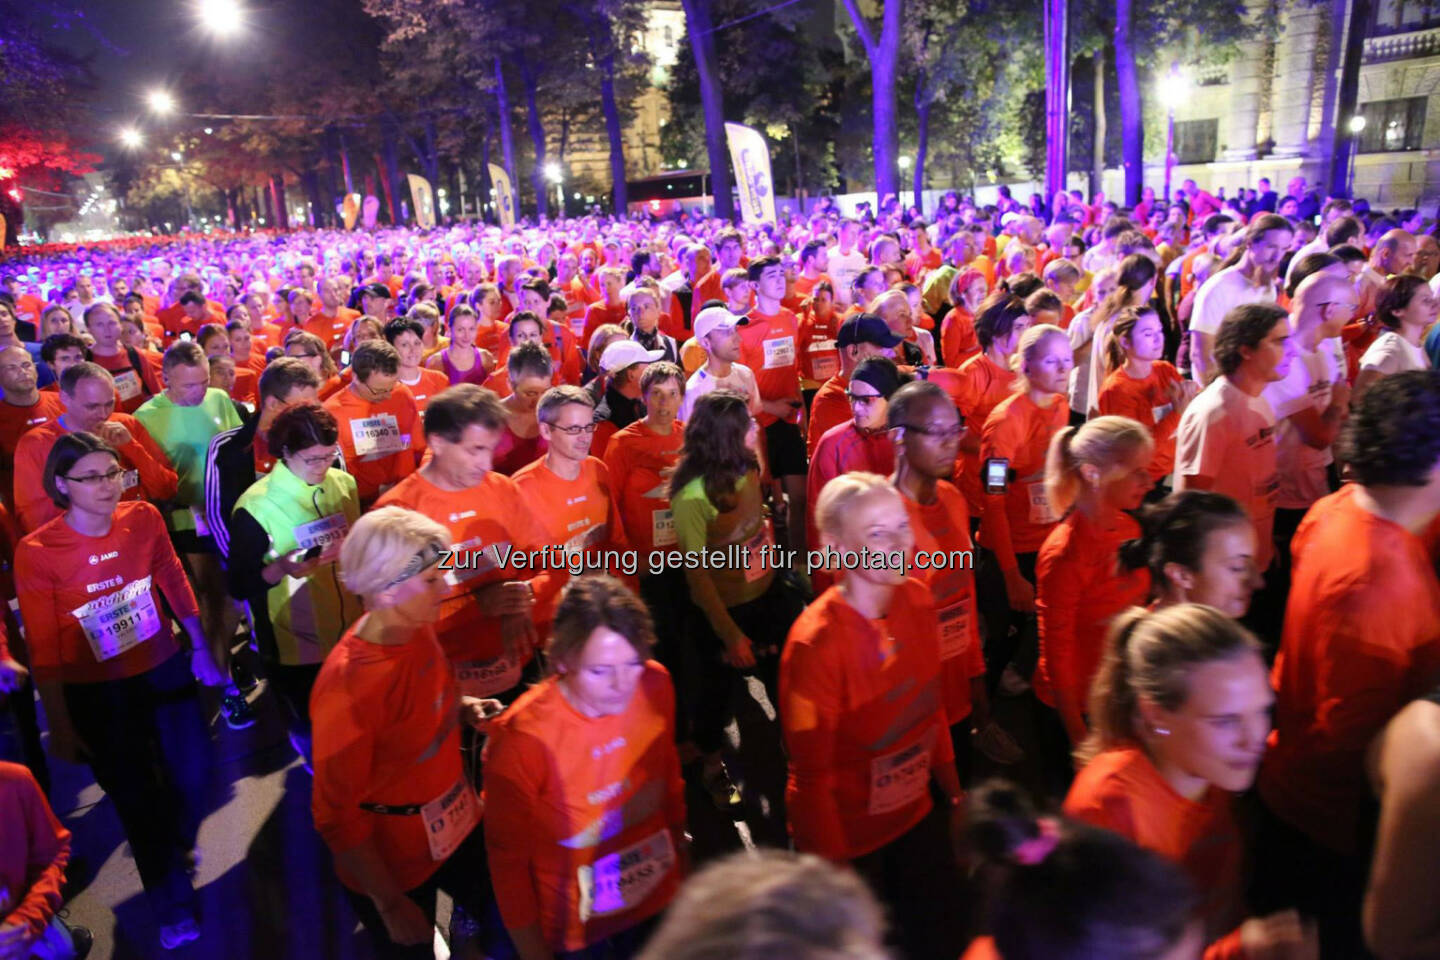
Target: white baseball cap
[[712, 318], [623, 353]]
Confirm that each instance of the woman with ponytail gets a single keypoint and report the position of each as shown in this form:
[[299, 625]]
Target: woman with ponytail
[[1015, 514], [1133, 289], [1199, 547], [1062, 890], [1093, 474], [1180, 712], [1141, 386]]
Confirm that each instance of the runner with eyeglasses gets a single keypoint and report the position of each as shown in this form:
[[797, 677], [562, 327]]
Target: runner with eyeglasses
[[95, 585], [379, 426]]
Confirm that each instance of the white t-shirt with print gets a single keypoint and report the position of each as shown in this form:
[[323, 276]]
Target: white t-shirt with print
[[1308, 386]]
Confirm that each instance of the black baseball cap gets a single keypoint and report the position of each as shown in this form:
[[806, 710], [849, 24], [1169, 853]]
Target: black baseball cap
[[865, 328]]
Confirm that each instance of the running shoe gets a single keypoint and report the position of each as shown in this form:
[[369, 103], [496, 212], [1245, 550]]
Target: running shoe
[[179, 933], [723, 792], [1012, 684], [998, 745], [243, 677], [236, 710]]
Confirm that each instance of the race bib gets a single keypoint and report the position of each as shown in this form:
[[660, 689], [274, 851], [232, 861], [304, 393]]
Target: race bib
[[130, 480], [127, 385], [1161, 412], [954, 627], [202, 525], [377, 436], [449, 819], [1040, 512], [662, 527], [468, 561], [115, 623], [587, 539], [577, 325], [327, 533], [899, 779], [754, 553], [779, 352], [624, 879], [825, 367], [486, 678]]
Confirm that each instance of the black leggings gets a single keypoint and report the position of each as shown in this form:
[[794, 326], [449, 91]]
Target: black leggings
[[709, 681], [1010, 636]]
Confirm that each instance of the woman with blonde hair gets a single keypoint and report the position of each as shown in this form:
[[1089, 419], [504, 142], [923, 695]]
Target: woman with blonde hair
[[1180, 710], [391, 798], [1093, 475], [863, 713], [1015, 510], [311, 349]]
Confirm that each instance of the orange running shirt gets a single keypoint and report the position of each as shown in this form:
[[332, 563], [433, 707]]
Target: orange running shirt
[[379, 440], [92, 605], [1361, 640], [488, 523], [637, 460], [148, 473], [426, 386], [387, 731], [769, 347], [584, 815], [942, 534], [958, 342], [1120, 790], [1019, 431], [864, 720], [1147, 401]]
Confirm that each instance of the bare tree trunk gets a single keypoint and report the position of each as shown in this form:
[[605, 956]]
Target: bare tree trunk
[[531, 79], [612, 129], [311, 181], [431, 163], [277, 200], [922, 141], [507, 138], [1097, 164], [1348, 97], [884, 54], [1328, 119], [1057, 96], [1132, 129], [699, 25], [393, 189]]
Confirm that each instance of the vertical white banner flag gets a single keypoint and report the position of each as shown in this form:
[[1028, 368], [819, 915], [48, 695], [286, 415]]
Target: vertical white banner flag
[[504, 195], [751, 159], [421, 199]]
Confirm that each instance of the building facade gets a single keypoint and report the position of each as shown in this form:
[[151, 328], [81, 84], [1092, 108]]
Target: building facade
[[1270, 111]]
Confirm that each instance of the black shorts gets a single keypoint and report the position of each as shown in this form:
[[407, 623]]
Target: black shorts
[[186, 541], [785, 448]]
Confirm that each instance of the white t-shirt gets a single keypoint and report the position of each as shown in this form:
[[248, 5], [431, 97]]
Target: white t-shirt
[[1308, 385], [741, 380], [844, 268], [1318, 245], [1229, 436], [1390, 353], [1222, 293], [1080, 378]]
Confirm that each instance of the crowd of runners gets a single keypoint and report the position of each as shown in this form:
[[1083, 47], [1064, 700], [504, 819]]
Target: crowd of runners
[[505, 523]]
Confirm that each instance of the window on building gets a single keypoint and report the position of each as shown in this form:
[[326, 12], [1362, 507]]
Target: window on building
[[1392, 125], [1401, 16], [1195, 140], [669, 36]]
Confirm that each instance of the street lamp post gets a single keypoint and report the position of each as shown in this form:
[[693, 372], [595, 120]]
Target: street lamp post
[[179, 158], [555, 176], [1357, 127], [1172, 90]]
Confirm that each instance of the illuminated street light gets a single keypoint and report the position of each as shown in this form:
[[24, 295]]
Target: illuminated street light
[[1172, 88], [552, 172], [1357, 124], [904, 162], [223, 18], [131, 139], [160, 101], [177, 156]]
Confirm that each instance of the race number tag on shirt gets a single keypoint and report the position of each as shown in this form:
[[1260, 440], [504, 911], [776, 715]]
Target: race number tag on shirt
[[954, 626], [825, 367], [577, 325], [1040, 512], [376, 436], [449, 819], [1161, 412], [755, 553], [327, 533], [779, 352], [202, 524], [115, 623], [622, 880], [127, 385], [485, 678], [468, 561], [130, 480], [899, 779], [662, 527]]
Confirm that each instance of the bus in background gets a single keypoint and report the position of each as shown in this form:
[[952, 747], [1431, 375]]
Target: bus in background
[[667, 194]]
